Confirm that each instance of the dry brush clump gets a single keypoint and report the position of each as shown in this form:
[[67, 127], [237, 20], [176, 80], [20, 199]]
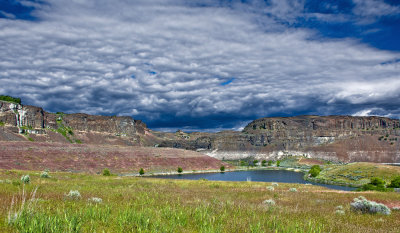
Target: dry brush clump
[[339, 210], [361, 204], [95, 200], [269, 202], [293, 190], [21, 205], [73, 195]]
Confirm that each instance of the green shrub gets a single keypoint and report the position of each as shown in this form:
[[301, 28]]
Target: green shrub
[[10, 99], [242, 163], [106, 172], [263, 163], [278, 163], [25, 179], [269, 163], [376, 183], [315, 170], [15, 182], [255, 162], [141, 171], [180, 170], [222, 168], [395, 183], [70, 131]]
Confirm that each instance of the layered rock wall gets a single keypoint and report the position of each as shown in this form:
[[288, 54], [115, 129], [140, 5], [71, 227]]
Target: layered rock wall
[[341, 138], [305, 131], [35, 120], [338, 138]]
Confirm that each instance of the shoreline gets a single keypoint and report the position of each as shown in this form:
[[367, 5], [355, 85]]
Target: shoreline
[[304, 171], [210, 171]]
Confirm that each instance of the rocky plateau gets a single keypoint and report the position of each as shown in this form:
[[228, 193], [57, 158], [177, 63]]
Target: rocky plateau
[[334, 138]]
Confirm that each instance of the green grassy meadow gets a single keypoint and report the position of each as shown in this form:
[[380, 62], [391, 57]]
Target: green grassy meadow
[[138, 204], [357, 174]]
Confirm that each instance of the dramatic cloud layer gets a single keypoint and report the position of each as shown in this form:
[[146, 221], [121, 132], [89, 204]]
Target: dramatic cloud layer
[[197, 64]]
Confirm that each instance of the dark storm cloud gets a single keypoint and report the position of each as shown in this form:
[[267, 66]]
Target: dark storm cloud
[[196, 65]]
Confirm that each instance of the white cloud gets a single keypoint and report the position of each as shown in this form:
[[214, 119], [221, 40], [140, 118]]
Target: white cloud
[[374, 8], [365, 112], [164, 61]]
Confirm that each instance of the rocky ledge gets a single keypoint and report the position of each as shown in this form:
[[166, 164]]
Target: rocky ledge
[[336, 138], [36, 124]]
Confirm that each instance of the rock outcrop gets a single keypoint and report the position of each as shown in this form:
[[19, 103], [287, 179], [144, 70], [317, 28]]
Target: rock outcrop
[[340, 138], [37, 124]]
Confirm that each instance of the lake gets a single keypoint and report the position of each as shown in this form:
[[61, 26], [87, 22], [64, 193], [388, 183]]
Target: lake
[[283, 176]]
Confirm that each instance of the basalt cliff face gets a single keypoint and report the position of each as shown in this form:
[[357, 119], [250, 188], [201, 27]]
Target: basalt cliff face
[[23, 122], [82, 142], [336, 138]]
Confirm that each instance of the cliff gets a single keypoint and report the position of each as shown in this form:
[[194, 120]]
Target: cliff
[[22, 122], [339, 138]]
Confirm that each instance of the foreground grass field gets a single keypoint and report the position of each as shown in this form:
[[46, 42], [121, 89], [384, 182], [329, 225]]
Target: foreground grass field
[[156, 205]]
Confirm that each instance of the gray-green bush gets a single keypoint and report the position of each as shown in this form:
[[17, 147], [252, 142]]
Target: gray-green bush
[[25, 179], [73, 195], [44, 174], [361, 204]]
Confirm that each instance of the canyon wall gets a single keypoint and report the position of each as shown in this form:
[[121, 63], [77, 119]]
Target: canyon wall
[[336, 138], [37, 124], [339, 138]]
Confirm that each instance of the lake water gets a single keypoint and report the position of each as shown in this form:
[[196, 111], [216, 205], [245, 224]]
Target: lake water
[[283, 176]]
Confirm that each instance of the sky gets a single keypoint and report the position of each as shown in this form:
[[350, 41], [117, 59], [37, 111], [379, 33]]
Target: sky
[[203, 65]]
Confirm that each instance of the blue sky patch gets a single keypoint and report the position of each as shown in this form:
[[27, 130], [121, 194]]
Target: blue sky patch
[[12, 9], [227, 82]]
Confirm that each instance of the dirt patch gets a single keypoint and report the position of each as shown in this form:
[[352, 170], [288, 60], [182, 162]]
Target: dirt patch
[[94, 158], [307, 161]]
